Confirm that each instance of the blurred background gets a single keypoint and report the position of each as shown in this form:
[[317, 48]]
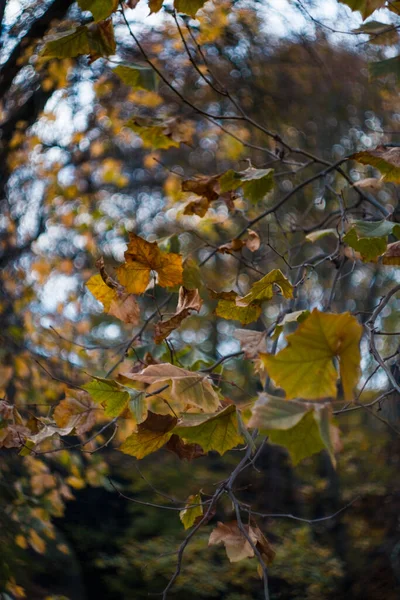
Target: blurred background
[[74, 180]]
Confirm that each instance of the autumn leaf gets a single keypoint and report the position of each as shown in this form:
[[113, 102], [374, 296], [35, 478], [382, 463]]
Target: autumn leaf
[[69, 45], [252, 241], [192, 512], [369, 238], [110, 394], [182, 450], [218, 432], [100, 9], [251, 342], [116, 302], [182, 388], [305, 368], [137, 77], [302, 430], [237, 545], [255, 183], [392, 254], [383, 34], [188, 7], [366, 7], [227, 308], [188, 301], [151, 435], [384, 158], [315, 236], [141, 258], [161, 134], [264, 288], [297, 316], [76, 410]]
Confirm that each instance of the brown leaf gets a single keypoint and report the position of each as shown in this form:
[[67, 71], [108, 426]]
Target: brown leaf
[[189, 300], [236, 545], [76, 410], [233, 246], [197, 207], [251, 342], [13, 436], [158, 423], [124, 306], [202, 186], [131, 3], [253, 240], [182, 450], [392, 254], [141, 258], [369, 184]]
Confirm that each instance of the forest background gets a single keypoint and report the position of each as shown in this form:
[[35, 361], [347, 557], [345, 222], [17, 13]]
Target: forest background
[[127, 127]]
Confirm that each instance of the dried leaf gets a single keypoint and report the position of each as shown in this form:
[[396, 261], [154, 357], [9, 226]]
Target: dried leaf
[[251, 342], [189, 301], [141, 258]]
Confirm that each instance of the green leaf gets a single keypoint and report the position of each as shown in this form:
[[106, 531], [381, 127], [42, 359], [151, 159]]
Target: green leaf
[[382, 68], [309, 436], [370, 237], [100, 9], [256, 183], [386, 159], [68, 46], [369, 248], [109, 393], [382, 34], [228, 309], [272, 412], [138, 406], [188, 7], [137, 77], [102, 40], [192, 511], [151, 435], [264, 288], [219, 432]]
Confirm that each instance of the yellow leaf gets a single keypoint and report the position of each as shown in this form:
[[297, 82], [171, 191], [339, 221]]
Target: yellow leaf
[[151, 435], [305, 368], [264, 288], [192, 511], [36, 542], [101, 291], [227, 308], [142, 257], [219, 432]]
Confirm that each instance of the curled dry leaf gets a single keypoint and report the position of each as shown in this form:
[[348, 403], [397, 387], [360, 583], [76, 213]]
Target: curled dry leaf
[[392, 254], [151, 435], [188, 301], [253, 240], [233, 246], [236, 544]]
